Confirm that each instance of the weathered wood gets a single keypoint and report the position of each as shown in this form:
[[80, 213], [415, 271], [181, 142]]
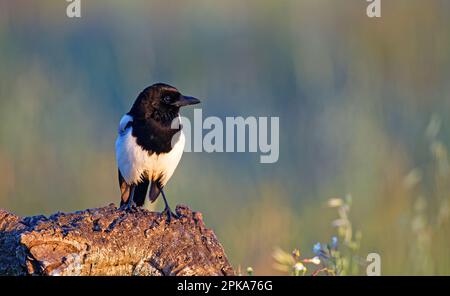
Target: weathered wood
[[108, 241]]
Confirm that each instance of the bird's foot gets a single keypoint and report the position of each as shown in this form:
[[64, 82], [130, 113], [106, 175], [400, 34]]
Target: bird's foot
[[129, 207], [170, 215]]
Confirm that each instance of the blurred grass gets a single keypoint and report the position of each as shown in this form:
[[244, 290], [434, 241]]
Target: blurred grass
[[356, 98]]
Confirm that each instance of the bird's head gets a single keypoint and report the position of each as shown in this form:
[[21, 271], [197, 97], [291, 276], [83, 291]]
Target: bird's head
[[160, 102]]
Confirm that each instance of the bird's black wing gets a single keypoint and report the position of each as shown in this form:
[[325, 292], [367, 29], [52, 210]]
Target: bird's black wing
[[140, 192]]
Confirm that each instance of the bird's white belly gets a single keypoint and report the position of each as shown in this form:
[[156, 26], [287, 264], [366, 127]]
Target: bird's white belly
[[134, 162]]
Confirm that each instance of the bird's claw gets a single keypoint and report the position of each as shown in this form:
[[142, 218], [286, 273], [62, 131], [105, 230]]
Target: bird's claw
[[170, 215], [129, 207]]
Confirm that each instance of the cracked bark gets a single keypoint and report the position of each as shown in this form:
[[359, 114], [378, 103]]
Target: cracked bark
[[107, 241]]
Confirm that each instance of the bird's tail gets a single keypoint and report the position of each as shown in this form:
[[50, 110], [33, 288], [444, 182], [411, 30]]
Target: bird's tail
[[155, 190], [124, 190]]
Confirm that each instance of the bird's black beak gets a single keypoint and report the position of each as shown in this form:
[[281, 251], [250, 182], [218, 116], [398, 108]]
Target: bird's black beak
[[185, 101]]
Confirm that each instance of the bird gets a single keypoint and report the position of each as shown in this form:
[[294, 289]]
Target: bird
[[149, 145]]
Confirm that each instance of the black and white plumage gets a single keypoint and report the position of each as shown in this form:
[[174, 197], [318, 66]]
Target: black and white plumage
[[148, 149]]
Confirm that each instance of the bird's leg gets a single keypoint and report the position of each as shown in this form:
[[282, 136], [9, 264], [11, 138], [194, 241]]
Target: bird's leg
[[167, 209]]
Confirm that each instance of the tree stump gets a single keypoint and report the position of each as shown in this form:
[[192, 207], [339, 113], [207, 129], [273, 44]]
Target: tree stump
[[109, 241]]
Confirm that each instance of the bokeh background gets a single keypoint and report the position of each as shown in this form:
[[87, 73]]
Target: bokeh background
[[363, 103]]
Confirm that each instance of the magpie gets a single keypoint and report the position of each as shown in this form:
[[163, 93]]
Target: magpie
[[148, 148]]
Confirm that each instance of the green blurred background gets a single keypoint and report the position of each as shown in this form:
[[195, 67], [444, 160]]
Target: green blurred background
[[363, 106]]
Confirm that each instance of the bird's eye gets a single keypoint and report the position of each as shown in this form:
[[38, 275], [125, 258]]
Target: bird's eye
[[167, 100]]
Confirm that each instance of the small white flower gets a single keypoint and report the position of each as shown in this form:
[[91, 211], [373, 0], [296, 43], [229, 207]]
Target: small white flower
[[335, 202], [315, 260], [299, 266]]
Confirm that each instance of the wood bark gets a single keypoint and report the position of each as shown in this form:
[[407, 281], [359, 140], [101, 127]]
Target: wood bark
[[109, 241]]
